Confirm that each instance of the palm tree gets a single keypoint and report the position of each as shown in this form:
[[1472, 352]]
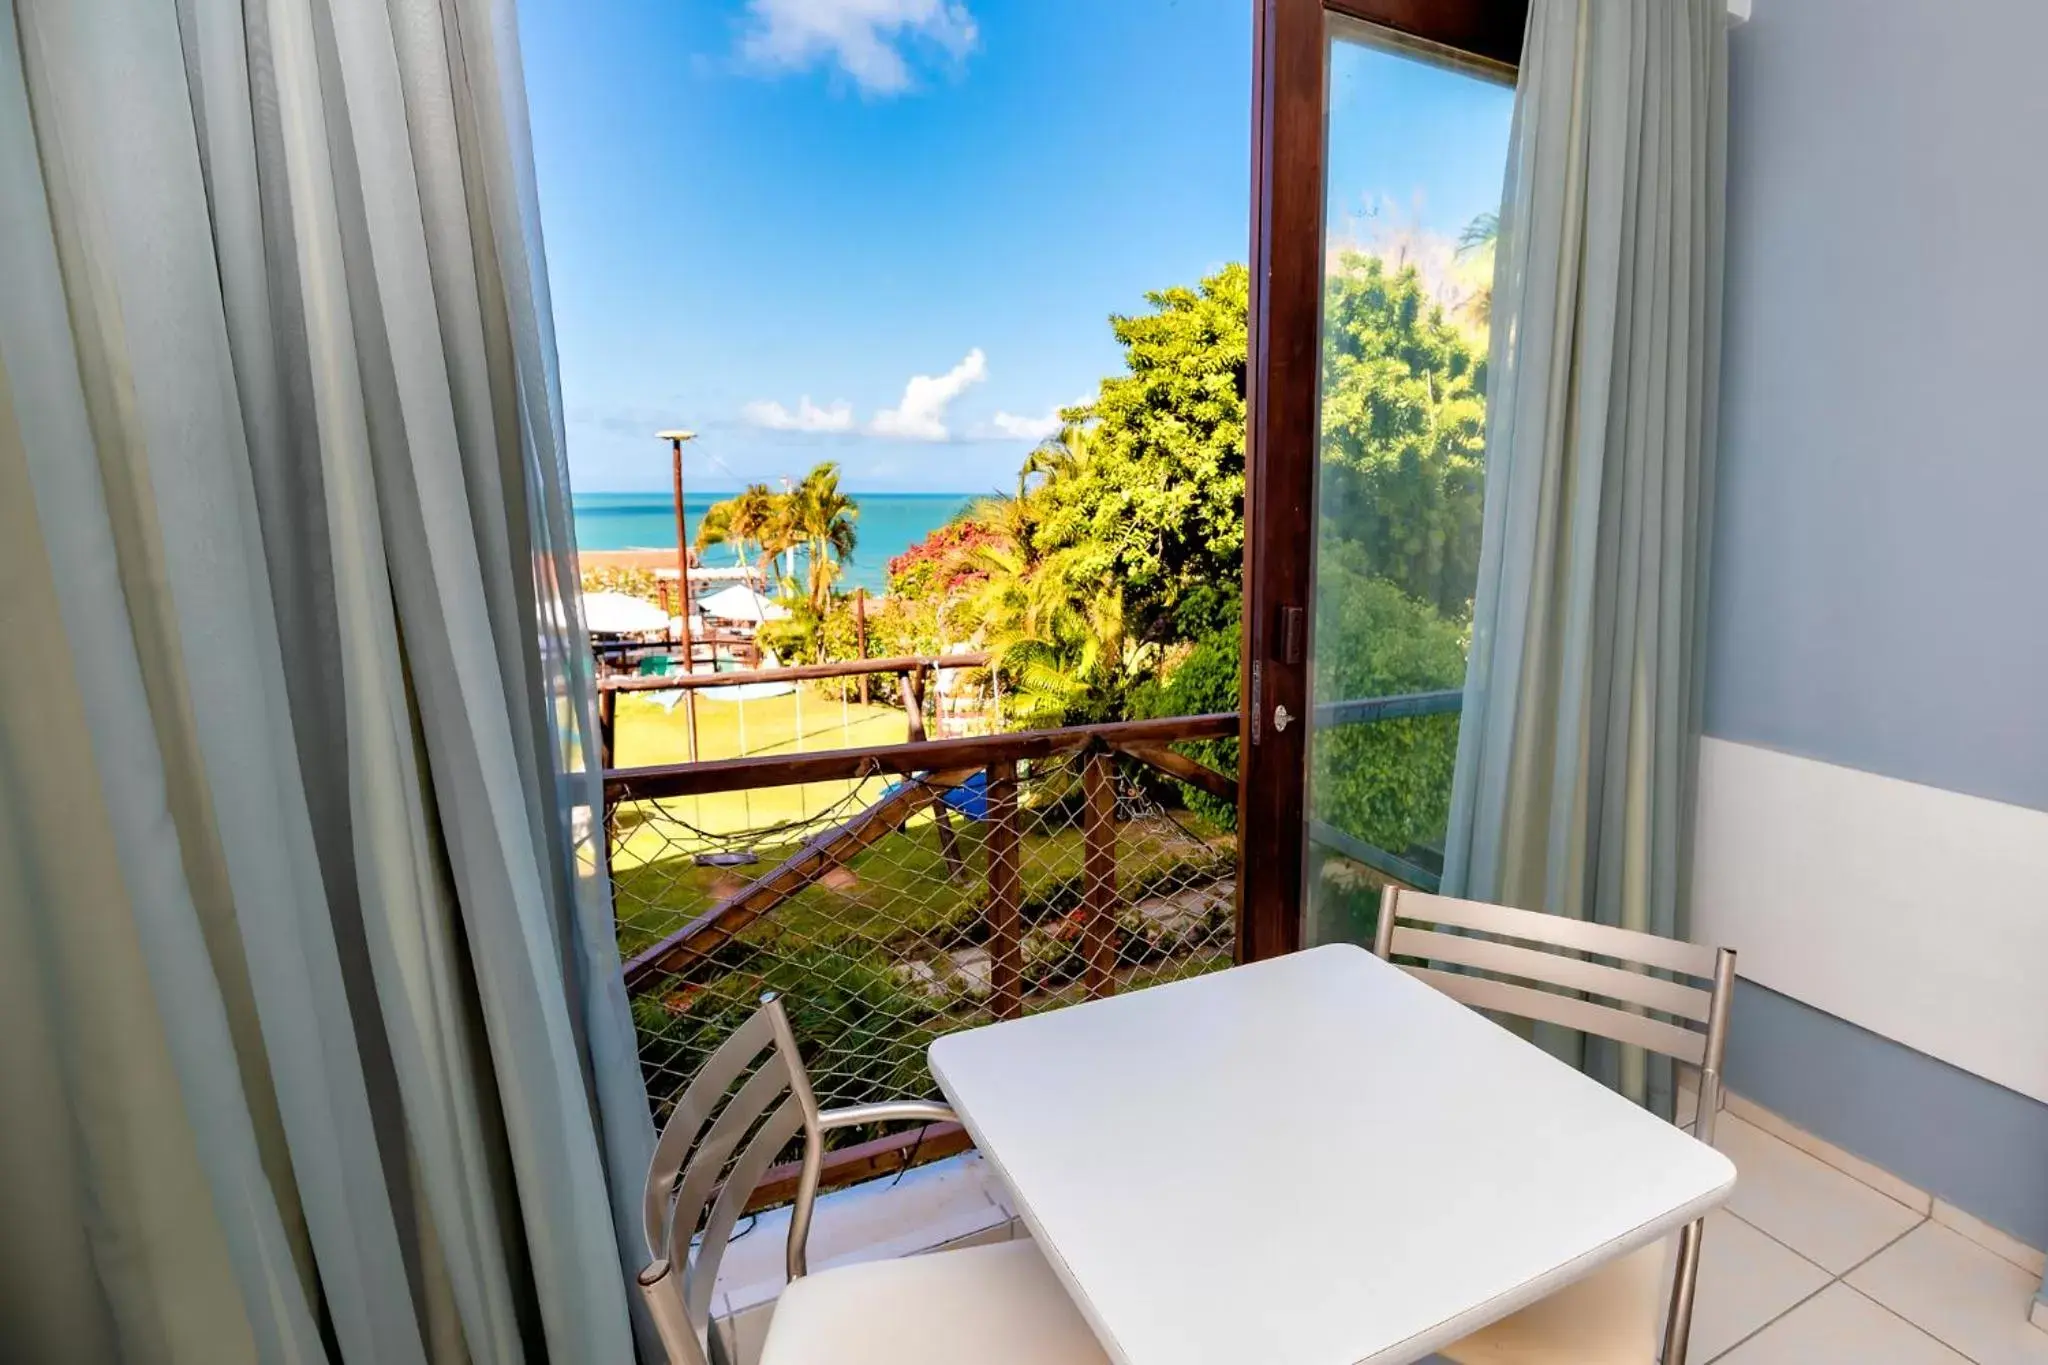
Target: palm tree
[[752, 512], [717, 529], [739, 520], [1056, 628], [821, 518], [1060, 456], [1481, 237]]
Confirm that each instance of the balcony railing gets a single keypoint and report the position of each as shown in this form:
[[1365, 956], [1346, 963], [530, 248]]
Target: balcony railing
[[892, 894], [1421, 868], [895, 893]]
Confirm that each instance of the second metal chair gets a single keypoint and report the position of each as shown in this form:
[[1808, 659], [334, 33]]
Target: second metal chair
[[1544, 968]]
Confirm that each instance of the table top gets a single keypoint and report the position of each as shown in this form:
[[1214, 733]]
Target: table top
[[1312, 1160]]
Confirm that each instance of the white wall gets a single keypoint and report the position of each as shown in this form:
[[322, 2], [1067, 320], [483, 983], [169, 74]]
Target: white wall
[[1879, 590], [1918, 913]]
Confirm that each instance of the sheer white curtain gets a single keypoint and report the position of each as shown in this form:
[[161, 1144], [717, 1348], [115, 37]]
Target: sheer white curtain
[[312, 1041]]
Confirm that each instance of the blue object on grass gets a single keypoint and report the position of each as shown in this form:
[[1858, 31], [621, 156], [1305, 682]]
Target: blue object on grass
[[970, 798]]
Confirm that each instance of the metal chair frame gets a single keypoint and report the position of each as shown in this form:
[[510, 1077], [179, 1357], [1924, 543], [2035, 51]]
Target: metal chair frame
[[1554, 952], [773, 1103]]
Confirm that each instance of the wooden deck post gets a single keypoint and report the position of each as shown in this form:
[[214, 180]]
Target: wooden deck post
[[860, 635], [1005, 893], [1098, 873], [607, 726], [912, 680]]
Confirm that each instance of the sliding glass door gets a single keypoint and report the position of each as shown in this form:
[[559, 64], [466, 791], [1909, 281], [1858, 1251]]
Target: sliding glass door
[[1380, 169]]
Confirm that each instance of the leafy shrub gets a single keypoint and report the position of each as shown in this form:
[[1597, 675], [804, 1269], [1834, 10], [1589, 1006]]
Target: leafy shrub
[[1389, 781], [1204, 681], [618, 578]]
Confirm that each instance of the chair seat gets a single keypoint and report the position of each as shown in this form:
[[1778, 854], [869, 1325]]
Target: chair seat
[[1611, 1317], [991, 1305]]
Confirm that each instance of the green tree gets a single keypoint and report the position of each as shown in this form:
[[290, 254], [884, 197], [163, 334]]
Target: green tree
[[1155, 501], [1404, 431], [1388, 782]]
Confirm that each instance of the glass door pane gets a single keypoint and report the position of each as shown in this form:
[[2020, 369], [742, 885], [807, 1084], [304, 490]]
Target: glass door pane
[[1415, 153]]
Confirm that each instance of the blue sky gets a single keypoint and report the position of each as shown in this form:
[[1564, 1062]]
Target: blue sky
[[890, 232]]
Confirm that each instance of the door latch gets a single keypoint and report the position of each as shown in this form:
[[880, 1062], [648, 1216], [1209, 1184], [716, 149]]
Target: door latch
[[1281, 719]]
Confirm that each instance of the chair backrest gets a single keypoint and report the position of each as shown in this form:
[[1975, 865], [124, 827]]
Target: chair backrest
[[1542, 967], [746, 1104]]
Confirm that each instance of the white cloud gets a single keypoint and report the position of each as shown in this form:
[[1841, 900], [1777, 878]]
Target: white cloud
[[864, 38], [921, 416], [1025, 428], [807, 417]]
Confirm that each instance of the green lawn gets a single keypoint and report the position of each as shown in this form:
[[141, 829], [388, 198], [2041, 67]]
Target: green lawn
[[862, 960], [803, 721], [900, 889]]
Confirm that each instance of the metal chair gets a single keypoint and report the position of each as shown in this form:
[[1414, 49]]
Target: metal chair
[[999, 1304], [1608, 1318]]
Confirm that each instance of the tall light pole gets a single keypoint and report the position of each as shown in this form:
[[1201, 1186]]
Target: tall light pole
[[675, 441]]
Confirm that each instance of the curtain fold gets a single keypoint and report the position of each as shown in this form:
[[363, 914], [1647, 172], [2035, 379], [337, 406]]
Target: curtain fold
[[308, 955], [1578, 745]]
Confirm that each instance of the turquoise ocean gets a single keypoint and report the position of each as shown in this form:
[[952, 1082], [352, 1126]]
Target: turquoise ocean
[[889, 524]]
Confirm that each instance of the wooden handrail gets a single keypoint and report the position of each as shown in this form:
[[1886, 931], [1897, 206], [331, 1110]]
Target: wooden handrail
[[1184, 769], [976, 751], [849, 668], [864, 1161]]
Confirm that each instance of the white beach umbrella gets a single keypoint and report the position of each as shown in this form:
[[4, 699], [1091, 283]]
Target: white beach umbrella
[[741, 604], [616, 613]]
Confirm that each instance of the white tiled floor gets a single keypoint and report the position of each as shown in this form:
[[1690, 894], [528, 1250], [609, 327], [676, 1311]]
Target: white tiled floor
[[1808, 1266]]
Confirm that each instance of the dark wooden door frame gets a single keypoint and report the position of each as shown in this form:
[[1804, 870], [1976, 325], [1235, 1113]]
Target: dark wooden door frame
[[1289, 78], [1280, 439]]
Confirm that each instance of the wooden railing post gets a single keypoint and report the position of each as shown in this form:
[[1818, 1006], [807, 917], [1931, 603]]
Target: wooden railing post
[[608, 726], [860, 635], [1098, 872], [1005, 893], [912, 683]]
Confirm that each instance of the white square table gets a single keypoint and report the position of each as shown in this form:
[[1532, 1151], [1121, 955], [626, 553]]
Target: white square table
[[1312, 1160]]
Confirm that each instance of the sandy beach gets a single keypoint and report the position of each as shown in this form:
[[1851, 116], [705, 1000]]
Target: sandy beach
[[627, 559]]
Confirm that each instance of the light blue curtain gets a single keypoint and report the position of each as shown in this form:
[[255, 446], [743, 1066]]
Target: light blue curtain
[[1577, 749], [312, 1040]]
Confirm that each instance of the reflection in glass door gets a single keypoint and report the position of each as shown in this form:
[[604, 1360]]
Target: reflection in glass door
[[1415, 151]]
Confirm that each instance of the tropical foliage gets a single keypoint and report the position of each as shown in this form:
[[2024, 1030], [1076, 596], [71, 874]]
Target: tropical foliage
[[1404, 430], [755, 517], [816, 521], [1109, 583]]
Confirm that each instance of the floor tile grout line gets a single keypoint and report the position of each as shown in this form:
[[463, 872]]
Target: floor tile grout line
[[1790, 1309], [1883, 1249], [1884, 1307], [1773, 1237], [1932, 1198], [1833, 1280], [1981, 1245], [1840, 1170], [1850, 1176]]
